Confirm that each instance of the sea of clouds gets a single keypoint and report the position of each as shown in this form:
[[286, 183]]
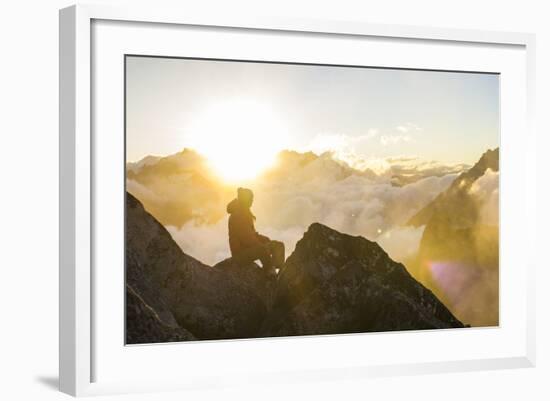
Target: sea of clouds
[[325, 191]]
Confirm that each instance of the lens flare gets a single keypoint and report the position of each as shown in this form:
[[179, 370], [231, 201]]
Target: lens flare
[[453, 278]]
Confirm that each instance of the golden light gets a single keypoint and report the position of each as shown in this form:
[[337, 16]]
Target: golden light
[[239, 137]]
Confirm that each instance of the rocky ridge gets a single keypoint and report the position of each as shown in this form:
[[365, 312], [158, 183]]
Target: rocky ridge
[[332, 283]]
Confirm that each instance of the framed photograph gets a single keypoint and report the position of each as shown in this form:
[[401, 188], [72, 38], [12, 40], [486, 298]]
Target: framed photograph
[[279, 200]]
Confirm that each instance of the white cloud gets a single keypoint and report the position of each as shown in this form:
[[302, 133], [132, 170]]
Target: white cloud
[[403, 134], [486, 190], [386, 140], [408, 127], [485, 185], [207, 243], [340, 144]]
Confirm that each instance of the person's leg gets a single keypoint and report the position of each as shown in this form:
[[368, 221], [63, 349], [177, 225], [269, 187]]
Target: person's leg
[[263, 252], [253, 253], [277, 249]]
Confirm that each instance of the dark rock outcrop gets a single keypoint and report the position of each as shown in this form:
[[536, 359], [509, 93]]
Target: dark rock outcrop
[[251, 278], [144, 325], [332, 283], [336, 283], [207, 301]]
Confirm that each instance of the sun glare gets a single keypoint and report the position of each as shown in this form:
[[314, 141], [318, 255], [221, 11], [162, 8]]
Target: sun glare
[[240, 138]]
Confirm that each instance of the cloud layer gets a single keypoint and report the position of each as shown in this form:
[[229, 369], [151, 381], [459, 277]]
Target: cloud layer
[[304, 190]]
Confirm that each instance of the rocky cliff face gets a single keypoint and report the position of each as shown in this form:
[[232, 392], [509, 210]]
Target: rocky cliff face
[[144, 325], [455, 205], [458, 258], [332, 283], [209, 302]]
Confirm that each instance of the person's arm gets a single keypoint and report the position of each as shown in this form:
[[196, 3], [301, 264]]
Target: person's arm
[[247, 234], [263, 238]]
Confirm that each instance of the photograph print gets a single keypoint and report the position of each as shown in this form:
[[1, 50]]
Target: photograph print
[[270, 199]]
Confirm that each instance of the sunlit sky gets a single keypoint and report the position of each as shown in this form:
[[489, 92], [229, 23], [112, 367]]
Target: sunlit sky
[[246, 109]]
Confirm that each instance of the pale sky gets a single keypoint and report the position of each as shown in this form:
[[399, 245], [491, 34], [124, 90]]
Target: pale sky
[[444, 116]]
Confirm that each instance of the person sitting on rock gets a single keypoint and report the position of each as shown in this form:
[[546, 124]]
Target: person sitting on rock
[[245, 243]]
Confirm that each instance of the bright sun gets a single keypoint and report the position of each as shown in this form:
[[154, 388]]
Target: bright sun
[[240, 138]]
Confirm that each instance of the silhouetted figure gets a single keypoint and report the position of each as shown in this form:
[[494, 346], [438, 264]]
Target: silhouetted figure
[[245, 243]]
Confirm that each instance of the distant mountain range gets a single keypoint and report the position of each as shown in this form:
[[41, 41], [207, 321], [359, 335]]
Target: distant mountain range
[[181, 187], [177, 188]]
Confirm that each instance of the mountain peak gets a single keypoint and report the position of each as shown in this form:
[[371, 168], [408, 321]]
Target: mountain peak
[[338, 283], [489, 160], [455, 201], [328, 244]]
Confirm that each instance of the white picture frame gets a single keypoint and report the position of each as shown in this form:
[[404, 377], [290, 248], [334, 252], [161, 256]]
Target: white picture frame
[[78, 150]]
